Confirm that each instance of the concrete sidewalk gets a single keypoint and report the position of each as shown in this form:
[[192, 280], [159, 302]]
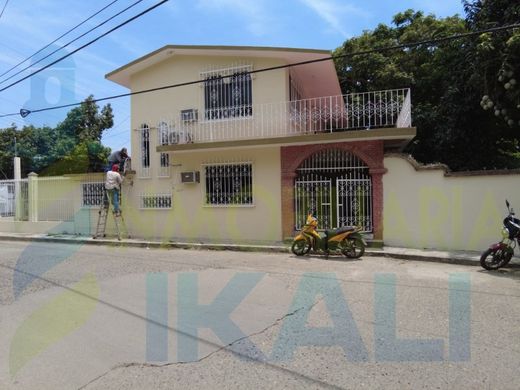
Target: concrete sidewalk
[[451, 257]]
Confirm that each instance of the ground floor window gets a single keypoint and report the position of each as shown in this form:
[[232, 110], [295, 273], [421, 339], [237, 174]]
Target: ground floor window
[[229, 184], [155, 201], [92, 194], [164, 165]]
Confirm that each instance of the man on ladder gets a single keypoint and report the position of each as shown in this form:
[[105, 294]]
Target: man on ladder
[[113, 187], [121, 158], [112, 196]]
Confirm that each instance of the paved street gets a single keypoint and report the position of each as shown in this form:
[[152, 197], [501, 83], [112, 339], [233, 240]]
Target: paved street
[[106, 317]]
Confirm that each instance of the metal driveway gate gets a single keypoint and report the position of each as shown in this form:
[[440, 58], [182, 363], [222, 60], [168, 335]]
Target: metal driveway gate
[[337, 186], [354, 207], [313, 194]]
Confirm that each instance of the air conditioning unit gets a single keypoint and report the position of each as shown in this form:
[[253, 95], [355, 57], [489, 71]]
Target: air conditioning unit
[[190, 177], [190, 115]]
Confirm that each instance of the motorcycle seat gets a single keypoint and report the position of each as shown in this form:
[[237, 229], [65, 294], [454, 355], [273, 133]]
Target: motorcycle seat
[[343, 229]]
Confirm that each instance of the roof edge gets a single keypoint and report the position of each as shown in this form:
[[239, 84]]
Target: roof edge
[[216, 47]]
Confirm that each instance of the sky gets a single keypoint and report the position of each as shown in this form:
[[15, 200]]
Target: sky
[[28, 25]]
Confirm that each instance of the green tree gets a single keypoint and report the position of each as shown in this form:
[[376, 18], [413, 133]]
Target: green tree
[[32, 145], [7, 151], [74, 146], [446, 89], [498, 57], [79, 135]]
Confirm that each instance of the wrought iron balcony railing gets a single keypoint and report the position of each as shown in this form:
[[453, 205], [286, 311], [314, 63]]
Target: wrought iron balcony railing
[[357, 111]]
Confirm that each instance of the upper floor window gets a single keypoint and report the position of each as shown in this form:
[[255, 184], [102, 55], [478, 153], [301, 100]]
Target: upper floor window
[[163, 131], [228, 93], [145, 150]]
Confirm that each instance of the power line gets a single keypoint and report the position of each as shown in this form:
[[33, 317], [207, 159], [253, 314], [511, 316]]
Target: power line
[[67, 44], [85, 45], [24, 113], [116, 127], [57, 39], [3, 9]]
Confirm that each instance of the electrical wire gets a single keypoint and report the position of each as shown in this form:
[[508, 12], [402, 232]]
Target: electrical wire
[[74, 40], [85, 45], [116, 127], [24, 113], [57, 39], [3, 9], [70, 42]]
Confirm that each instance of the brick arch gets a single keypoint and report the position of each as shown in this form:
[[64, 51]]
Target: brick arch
[[370, 152], [308, 151]]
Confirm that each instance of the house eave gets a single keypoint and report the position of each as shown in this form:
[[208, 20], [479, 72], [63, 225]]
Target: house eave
[[320, 77]]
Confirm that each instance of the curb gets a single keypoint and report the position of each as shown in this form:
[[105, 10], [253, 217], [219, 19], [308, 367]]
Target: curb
[[388, 252], [148, 244]]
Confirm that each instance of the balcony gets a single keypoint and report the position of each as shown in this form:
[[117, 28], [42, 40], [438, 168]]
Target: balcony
[[332, 118]]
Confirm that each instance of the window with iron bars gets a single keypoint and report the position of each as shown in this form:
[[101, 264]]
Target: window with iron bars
[[145, 150], [92, 194], [228, 93], [229, 184], [156, 201], [164, 165]]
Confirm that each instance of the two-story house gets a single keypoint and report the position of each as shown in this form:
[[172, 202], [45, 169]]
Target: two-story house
[[244, 145]]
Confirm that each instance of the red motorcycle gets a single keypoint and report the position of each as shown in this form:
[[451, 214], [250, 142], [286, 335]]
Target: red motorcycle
[[500, 254]]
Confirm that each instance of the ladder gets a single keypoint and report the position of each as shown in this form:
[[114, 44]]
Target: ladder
[[119, 221]]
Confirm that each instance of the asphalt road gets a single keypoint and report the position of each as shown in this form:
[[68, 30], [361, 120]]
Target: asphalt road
[[89, 317]]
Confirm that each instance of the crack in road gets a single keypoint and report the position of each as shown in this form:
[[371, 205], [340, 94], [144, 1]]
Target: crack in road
[[226, 348]]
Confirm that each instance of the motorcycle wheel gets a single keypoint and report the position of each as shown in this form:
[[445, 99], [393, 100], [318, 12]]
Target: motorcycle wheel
[[494, 259], [300, 247], [508, 255], [353, 248]]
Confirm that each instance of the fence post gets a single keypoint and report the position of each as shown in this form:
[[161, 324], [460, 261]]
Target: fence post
[[18, 215], [33, 196]]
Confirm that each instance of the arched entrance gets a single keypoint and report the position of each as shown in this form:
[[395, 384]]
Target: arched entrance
[[337, 185]]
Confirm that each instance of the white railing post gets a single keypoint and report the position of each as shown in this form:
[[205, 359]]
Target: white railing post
[[377, 109], [405, 115], [330, 116], [33, 196]]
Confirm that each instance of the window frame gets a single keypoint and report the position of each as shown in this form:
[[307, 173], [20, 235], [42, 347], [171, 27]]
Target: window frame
[[226, 111], [143, 196], [144, 149], [101, 197], [164, 170], [250, 186]]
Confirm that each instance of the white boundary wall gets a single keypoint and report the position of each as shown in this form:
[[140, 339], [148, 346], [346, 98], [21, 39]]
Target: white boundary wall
[[429, 207], [55, 206]]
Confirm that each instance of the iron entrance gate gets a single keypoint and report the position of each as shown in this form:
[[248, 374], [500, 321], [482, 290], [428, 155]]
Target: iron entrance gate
[[313, 195], [337, 186], [354, 203]]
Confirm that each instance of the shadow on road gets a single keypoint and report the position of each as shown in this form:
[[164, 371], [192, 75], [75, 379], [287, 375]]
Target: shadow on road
[[507, 272], [335, 258]]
